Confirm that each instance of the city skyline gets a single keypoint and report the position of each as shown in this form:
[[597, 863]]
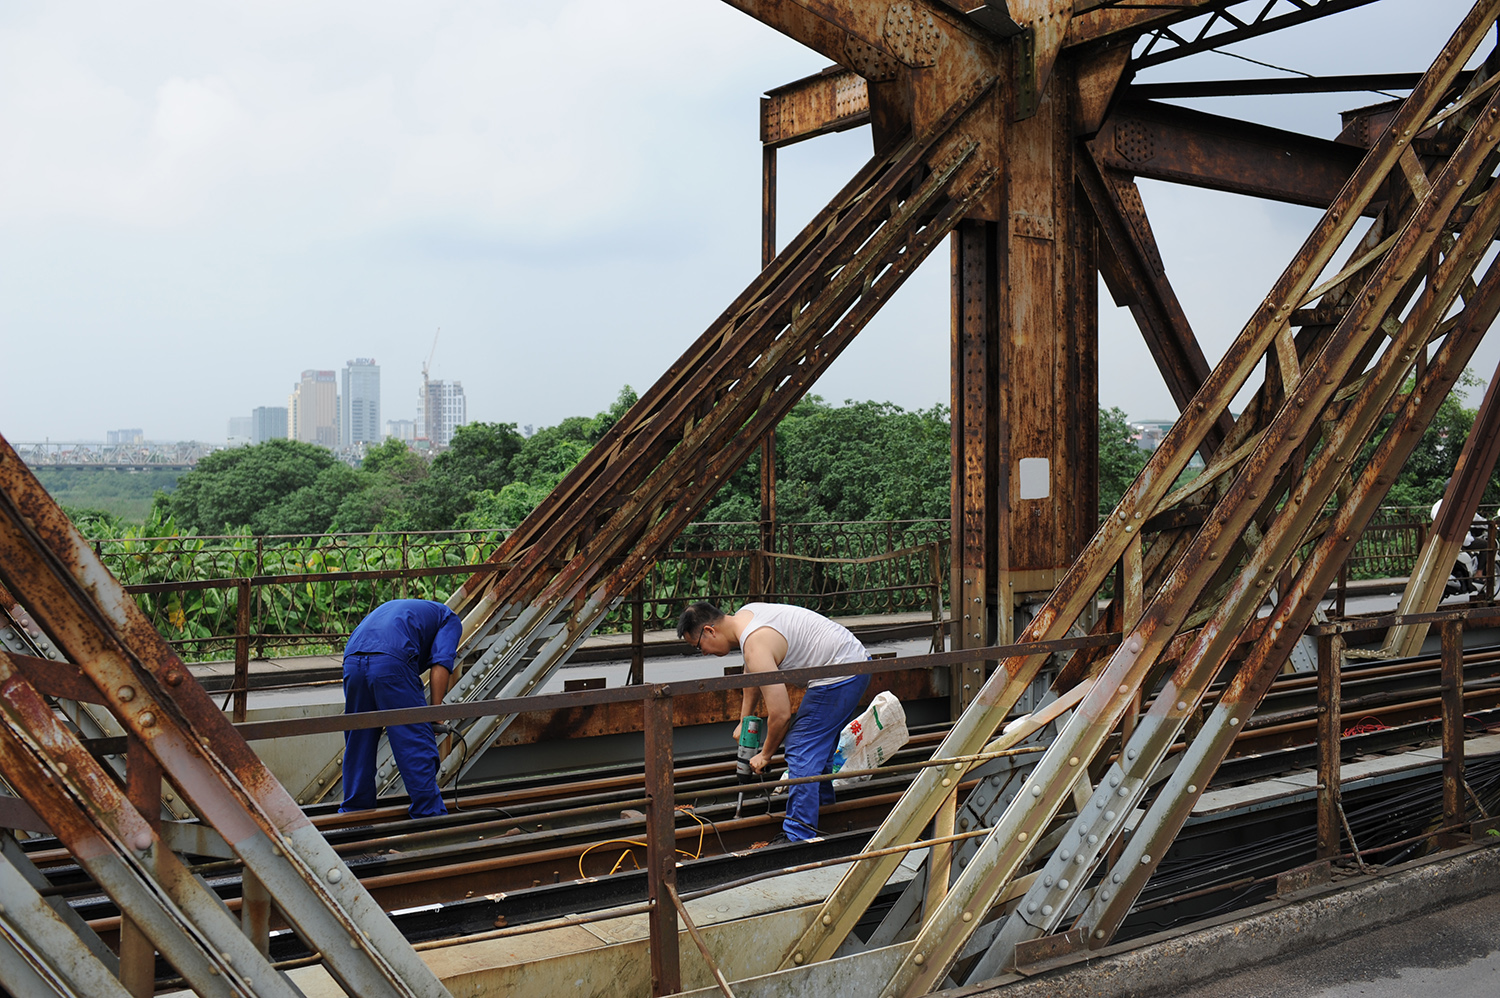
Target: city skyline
[[226, 188]]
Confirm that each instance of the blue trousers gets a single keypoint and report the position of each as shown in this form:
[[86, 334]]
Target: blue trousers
[[809, 750], [385, 682]]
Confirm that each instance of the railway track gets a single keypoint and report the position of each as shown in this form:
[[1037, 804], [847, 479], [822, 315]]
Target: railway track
[[531, 848]]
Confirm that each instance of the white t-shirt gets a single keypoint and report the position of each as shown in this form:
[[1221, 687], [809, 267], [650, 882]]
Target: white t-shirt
[[811, 638]]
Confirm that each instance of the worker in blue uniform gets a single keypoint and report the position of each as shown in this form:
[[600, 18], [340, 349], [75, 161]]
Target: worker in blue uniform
[[383, 665]]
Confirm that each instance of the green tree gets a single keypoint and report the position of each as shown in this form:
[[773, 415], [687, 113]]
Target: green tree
[[1120, 460], [479, 457], [230, 488], [310, 509], [389, 476], [858, 461], [540, 463]]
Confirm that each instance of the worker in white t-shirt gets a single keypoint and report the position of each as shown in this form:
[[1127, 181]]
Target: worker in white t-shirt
[[775, 636]]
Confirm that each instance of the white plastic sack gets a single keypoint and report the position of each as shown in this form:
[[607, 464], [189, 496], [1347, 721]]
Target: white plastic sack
[[871, 738]]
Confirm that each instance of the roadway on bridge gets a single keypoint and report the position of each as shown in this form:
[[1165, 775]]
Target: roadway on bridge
[[1452, 953]]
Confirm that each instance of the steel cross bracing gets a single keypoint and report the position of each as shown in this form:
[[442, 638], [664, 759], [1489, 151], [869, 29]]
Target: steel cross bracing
[[172, 724], [1223, 23], [45, 947], [663, 463], [1266, 448]]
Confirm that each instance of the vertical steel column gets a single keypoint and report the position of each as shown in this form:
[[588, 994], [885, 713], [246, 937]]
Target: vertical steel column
[[1453, 722], [242, 650], [260, 569], [939, 622], [143, 789], [1330, 740], [661, 843], [978, 448], [637, 637], [255, 911], [767, 586]]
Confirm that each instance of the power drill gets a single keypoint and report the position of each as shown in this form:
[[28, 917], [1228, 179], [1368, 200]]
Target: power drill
[[751, 730]]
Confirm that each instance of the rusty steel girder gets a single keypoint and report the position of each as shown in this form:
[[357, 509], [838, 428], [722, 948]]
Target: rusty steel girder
[[174, 725], [1267, 440]]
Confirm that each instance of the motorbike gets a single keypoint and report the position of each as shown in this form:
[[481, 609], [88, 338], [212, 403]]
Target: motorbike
[[1469, 565]]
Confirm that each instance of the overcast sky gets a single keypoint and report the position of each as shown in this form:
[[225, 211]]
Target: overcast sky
[[199, 200]]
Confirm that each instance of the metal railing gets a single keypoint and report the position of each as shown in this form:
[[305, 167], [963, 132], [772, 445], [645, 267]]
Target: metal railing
[[305, 594]]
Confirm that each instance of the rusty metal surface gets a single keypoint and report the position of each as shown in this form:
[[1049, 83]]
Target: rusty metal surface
[[149, 692], [1165, 142]]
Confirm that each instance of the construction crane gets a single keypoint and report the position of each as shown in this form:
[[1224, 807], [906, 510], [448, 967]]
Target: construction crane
[[426, 398]]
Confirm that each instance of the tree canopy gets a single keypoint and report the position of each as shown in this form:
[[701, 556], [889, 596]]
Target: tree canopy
[[856, 461]]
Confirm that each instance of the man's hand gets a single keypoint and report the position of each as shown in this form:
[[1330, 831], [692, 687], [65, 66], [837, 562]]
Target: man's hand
[[759, 761], [736, 736]]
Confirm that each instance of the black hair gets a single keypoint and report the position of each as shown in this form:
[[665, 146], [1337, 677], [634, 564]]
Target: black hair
[[696, 616]]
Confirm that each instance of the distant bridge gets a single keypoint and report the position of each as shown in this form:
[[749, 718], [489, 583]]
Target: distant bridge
[[150, 456]]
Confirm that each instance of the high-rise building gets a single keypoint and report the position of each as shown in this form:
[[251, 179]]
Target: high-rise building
[[448, 411], [118, 438], [314, 409], [269, 422], [401, 429], [241, 430], [359, 403]]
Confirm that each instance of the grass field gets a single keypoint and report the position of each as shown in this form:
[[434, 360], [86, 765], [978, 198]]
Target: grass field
[[126, 494]]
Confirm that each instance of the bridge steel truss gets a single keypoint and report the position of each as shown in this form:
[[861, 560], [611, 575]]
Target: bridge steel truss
[[1009, 132], [114, 658]]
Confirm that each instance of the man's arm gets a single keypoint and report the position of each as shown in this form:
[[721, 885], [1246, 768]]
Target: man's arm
[[439, 683], [760, 657]]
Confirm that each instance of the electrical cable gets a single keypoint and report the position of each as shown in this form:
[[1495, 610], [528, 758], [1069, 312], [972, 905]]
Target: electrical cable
[[1288, 69]]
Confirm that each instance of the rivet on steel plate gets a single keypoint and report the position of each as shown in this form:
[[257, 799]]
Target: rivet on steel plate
[[1079, 859], [1046, 909], [1073, 761], [1036, 791], [1109, 816], [1182, 705], [1123, 687], [1213, 556], [174, 678], [1135, 644], [142, 841], [1099, 933], [798, 958], [958, 765], [919, 959], [1093, 840], [827, 919], [1128, 528], [334, 875], [1145, 859], [1130, 754], [1124, 791], [1114, 780], [1192, 788], [1233, 721], [1115, 878], [1021, 837], [148, 719], [1031, 907], [126, 693], [947, 782], [1062, 855], [1062, 884], [968, 916], [353, 942]]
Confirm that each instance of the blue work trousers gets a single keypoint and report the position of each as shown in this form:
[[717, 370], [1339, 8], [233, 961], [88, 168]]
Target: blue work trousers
[[385, 682], [809, 750]]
